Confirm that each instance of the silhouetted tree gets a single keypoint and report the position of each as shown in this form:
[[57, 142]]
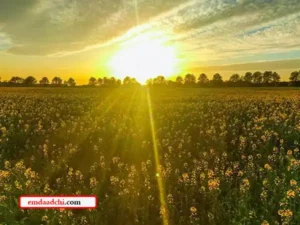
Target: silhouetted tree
[[275, 77], [295, 76], [92, 81], [159, 80], [217, 80], [189, 79], [179, 80], [111, 82], [235, 78], [203, 79], [105, 81], [30, 80], [16, 80], [134, 81], [267, 77], [44, 81], [99, 81], [56, 81], [71, 82], [119, 82], [127, 80], [257, 77], [248, 77]]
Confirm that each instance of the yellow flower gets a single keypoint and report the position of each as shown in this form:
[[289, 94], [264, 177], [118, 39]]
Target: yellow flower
[[28, 183], [45, 218], [211, 174], [4, 174], [213, 184], [47, 189], [290, 194], [228, 172], [289, 152], [202, 176], [193, 210], [2, 198], [3, 129], [293, 183], [163, 211], [93, 182], [7, 165], [268, 167], [20, 166], [265, 223], [285, 213], [18, 185], [114, 180], [246, 182], [240, 173], [185, 177]]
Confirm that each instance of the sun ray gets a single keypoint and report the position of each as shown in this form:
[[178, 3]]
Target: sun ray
[[157, 164]]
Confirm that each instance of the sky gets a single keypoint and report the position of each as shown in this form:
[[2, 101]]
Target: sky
[[75, 38]]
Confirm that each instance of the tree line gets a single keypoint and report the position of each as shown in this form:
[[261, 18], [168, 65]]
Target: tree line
[[32, 81], [256, 79]]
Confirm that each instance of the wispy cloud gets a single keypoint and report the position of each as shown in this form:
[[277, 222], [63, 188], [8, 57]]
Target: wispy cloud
[[203, 30]]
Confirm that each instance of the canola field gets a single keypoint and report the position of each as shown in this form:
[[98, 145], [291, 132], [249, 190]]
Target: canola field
[[159, 156]]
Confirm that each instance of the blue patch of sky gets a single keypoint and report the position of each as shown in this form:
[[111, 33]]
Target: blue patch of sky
[[5, 43], [255, 31]]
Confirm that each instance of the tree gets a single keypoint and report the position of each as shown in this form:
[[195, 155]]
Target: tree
[[235, 78], [217, 78], [30, 80], [257, 77], [119, 82], [44, 81], [295, 76], [203, 79], [134, 81], [16, 80], [267, 77], [248, 77], [92, 81], [99, 81], [159, 80], [275, 77], [111, 81], [189, 79], [71, 82], [105, 81], [56, 81], [127, 80], [179, 80]]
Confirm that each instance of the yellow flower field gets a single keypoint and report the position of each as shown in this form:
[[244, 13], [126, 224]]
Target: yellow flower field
[[158, 156]]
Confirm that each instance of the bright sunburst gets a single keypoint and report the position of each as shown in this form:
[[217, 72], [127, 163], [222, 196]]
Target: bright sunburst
[[144, 59]]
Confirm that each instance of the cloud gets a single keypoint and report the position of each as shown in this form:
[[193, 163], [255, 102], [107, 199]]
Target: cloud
[[203, 30], [5, 42], [42, 27]]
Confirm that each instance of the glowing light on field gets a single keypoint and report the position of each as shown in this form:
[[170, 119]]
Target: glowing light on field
[[157, 163]]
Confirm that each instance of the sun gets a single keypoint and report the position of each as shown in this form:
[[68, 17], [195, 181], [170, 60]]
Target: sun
[[144, 59]]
